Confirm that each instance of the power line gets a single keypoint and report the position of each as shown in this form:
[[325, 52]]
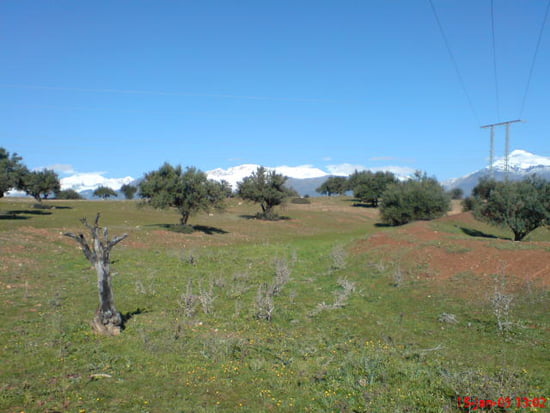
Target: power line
[[453, 60], [495, 60], [534, 60]]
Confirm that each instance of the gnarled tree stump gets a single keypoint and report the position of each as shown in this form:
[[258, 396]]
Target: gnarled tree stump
[[107, 320]]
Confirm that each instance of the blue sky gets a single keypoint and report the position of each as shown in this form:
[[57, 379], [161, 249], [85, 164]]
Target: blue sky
[[123, 86]]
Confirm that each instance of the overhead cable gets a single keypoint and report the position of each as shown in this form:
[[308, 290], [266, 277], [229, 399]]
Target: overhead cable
[[453, 60], [533, 61]]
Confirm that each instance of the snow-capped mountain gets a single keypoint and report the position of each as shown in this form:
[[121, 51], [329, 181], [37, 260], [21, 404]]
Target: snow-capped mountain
[[236, 174], [520, 165], [90, 181], [523, 162], [305, 178]]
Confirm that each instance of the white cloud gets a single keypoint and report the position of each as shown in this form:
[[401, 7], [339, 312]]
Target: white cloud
[[62, 168]]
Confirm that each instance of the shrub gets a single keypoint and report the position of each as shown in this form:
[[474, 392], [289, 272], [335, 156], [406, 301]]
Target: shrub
[[421, 198]]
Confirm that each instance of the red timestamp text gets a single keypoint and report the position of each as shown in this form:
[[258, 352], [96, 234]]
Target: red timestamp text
[[474, 403]]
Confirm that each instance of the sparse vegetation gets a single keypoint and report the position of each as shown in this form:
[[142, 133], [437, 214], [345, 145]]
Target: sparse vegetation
[[343, 341]]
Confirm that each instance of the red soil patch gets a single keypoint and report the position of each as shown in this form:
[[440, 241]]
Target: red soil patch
[[430, 253]]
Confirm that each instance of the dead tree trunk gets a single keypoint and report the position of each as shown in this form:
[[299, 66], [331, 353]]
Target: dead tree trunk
[[107, 319]]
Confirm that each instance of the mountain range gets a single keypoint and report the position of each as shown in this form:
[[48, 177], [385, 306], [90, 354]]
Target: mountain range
[[306, 178], [520, 165]]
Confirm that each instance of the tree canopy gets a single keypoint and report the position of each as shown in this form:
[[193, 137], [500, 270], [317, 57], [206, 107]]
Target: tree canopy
[[266, 188], [11, 171], [40, 184], [522, 206], [68, 194], [188, 191], [421, 198], [369, 186], [128, 190], [104, 192], [333, 185]]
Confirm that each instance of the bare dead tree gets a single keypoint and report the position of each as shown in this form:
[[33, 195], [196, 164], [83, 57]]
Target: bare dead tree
[[107, 319]]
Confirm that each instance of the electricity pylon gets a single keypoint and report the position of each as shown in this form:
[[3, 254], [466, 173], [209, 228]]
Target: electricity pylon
[[507, 147]]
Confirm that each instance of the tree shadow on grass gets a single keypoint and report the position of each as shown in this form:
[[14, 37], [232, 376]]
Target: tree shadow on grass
[[129, 315], [362, 205], [382, 225], [21, 214], [260, 218], [8, 215], [189, 229], [29, 212], [479, 234], [209, 230]]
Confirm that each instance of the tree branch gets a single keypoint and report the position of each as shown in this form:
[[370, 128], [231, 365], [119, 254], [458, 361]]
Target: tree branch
[[84, 244], [116, 240]]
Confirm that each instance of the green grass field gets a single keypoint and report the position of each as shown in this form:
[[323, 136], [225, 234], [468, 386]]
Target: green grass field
[[350, 329]]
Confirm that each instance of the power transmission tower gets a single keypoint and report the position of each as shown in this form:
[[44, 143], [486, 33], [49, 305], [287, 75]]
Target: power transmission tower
[[492, 144]]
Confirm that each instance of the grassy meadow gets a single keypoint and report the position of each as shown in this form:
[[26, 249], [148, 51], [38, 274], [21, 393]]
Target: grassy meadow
[[298, 315]]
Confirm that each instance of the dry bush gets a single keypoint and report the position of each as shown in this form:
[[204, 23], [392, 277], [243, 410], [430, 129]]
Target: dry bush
[[282, 275], [339, 257], [264, 302], [398, 276], [341, 297], [188, 302], [206, 297]]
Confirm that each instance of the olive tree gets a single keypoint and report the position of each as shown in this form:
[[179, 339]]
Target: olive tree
[[333, 185], [369, 186], [188, 191], [68, 194], [522, 206], [266, 188], [104, 192], [40, 184], [421, 198], [11, 171], [97, 250], [128, 190]]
